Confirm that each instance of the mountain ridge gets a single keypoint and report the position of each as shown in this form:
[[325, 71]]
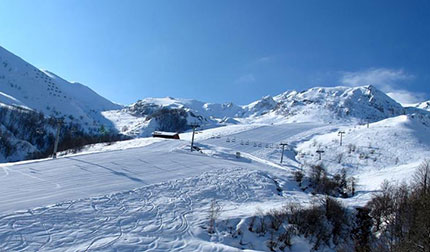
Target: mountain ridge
[[23, 85]]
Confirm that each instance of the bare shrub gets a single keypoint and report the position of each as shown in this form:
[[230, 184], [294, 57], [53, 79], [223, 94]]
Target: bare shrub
[[298, 176], [351, 148], [213, 215], [421, 178], [339, 158]]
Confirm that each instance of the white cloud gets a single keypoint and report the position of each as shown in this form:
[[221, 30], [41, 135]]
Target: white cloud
[[406, 97], [388, 80], [264, 59], [379, 77], [246, 78]]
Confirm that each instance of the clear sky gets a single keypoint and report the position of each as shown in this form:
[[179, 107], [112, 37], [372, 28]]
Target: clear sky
[[224, 50]]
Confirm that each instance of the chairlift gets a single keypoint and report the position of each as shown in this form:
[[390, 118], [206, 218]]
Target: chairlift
[[241, 142], [255, 144], [247, 142], [259, 145], [233, 140], [228, 140]]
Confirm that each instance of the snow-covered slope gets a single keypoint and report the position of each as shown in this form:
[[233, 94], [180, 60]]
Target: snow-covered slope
[[423, 105], [208, 110], [325, 105], [144, 116], [329, 104], [23, 85], [155, 194], [390, 149]]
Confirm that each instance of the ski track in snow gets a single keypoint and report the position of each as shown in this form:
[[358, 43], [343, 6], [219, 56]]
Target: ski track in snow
[[157, 195], [152, 218]]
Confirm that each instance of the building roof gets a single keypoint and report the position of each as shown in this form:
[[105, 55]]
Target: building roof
[[164, 133]]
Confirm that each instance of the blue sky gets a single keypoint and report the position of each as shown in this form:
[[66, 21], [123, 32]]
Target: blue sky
[[220, 51]]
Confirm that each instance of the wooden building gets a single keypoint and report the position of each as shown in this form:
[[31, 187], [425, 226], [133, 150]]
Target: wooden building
[[163, 134]]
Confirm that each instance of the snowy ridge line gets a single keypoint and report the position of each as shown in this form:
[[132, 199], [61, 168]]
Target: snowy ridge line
[[35, 89]]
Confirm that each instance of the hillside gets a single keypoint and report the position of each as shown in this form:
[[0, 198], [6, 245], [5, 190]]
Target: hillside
[[330, 104], [31, 101], [169, 114], [150, 193], [24, 85], [159, 194], [423, 105], [325, 105]]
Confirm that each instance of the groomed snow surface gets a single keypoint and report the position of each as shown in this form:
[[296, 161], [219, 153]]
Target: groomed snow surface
[[154, 194]]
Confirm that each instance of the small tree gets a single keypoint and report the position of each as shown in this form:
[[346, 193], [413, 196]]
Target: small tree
[[421, 178], [214, 210]]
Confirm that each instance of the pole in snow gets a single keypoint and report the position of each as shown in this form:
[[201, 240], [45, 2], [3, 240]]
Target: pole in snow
[[194, 126], [283, 148], [340, 133], [57, 139]]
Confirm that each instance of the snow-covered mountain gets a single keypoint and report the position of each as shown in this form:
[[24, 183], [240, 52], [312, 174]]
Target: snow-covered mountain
[[158, 183], [24, 85], [31, 101], [423, 105], [327, 105], [144, 116]]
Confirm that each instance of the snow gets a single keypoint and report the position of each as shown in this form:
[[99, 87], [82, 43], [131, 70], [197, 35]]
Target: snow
[[390, 142], [100, 173], [422, 105], [154, 194], [337, 104], [198, 107], [167, 216], [23, 85], [320, 104], [120, 145]]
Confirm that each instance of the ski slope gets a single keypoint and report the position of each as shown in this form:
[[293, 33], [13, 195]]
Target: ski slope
[[168, 216], [153, 197], [154, 194], [149, 197], [47, 182], [261, 140]]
